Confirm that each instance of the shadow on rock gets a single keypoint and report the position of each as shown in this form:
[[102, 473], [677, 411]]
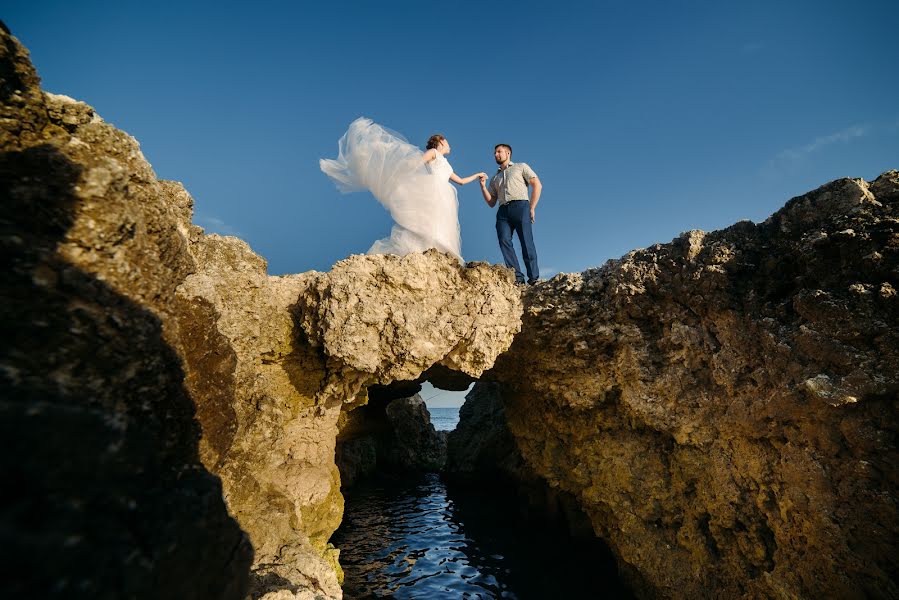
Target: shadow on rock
[[105, 494]]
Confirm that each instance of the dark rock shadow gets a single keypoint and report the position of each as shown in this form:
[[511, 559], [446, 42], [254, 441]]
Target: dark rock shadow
[[508, 510], [105, 495], [393, 438], [549, 543]]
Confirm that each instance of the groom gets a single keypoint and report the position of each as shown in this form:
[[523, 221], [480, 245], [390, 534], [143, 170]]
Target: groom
[[516, 212]]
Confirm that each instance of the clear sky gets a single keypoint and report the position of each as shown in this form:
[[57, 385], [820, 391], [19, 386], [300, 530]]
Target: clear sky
[[642, 119], [437, 398]]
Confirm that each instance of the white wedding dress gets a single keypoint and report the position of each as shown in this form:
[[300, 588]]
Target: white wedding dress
[[419, 195]]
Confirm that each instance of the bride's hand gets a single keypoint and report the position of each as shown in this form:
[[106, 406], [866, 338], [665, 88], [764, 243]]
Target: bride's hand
[[482, 177]]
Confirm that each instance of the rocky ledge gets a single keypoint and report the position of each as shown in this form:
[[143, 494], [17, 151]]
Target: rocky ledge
[[724, 407]]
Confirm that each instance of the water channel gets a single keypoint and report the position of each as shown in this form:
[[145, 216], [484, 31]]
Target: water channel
[[420, 538]]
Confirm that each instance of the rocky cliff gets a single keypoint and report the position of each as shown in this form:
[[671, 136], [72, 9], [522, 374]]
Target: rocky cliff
[[724, 407], [104, 492], [172, 410]]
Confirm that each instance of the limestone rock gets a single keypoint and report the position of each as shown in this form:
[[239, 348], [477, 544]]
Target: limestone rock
[[105, 494], [264, 433], [390, 318], [391, 436], [154, 370], [356, 458], [724, 406], [129, 329]]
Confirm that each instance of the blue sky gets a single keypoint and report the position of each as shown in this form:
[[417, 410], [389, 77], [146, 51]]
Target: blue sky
[[643, 119]]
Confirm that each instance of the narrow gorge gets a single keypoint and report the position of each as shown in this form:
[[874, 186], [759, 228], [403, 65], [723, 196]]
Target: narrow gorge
[[720, 410]]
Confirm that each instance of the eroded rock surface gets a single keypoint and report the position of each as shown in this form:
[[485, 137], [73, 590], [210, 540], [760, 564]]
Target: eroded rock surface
[[104, 492], [418, 445], [265, 433], [154, 370], [724, 407], [481, 446], [390, 318]]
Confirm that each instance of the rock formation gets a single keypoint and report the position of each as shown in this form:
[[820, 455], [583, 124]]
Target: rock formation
[[154, 370], [272, 361], [391, 436], [104, 492], [481, 447], [724, 406], [418, 445]]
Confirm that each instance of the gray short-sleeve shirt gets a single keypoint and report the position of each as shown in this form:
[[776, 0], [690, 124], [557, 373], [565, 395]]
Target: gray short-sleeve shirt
[[511, 183]]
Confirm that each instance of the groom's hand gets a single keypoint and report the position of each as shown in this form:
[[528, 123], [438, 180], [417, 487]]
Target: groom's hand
[[533, 218]]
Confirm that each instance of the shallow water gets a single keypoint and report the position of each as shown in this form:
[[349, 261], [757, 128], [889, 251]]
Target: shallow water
[[417, 539]]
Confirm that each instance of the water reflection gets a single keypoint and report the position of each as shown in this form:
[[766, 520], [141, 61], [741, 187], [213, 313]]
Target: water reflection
[[416, 539]]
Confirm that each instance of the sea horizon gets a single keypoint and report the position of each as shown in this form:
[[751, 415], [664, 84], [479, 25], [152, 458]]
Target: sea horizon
[[444, 418]]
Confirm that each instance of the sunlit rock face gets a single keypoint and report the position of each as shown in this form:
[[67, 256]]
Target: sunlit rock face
[[265, 432], [154, 370], [390, 318], [724, 406], [273, 361]]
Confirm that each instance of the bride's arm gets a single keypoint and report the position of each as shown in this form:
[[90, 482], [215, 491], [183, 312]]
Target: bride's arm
[[429, 155], [462, 181]]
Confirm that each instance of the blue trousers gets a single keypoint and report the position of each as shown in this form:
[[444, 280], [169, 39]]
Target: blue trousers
[[516, 216]]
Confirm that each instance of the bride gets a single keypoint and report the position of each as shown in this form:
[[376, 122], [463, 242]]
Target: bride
[[414, 187]]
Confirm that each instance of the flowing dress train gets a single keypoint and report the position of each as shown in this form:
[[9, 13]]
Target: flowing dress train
[[418, 195]]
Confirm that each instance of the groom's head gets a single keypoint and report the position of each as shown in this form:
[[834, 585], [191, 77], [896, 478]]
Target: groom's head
[[502, 153]]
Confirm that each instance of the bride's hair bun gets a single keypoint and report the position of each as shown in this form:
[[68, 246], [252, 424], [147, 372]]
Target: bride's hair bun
[[434, 141]]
